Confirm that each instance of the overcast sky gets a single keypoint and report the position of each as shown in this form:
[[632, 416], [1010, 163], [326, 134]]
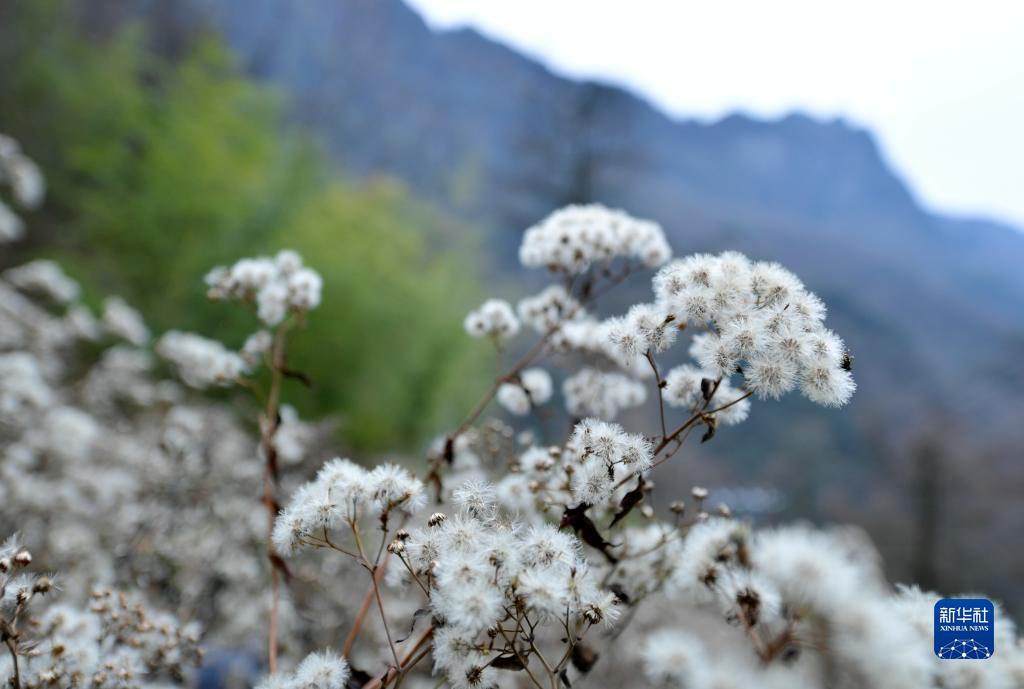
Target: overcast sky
[[940, 82]]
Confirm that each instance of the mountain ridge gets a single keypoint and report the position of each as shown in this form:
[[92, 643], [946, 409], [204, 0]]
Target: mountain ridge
[[501, 140]]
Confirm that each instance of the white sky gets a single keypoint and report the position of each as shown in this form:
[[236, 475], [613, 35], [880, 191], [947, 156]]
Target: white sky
[[940, 82]]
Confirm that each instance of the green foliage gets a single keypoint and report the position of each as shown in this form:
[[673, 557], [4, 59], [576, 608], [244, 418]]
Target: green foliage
[[392, 341], [159, 170]]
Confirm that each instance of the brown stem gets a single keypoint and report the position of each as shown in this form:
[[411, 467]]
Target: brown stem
[[378, 682], [375, 574], [268, 428], [523, 362], [527, 358], [357, 624], [661, 392], [695, 418], [519, 657], [14, 660], [410, 665], [13, 657]]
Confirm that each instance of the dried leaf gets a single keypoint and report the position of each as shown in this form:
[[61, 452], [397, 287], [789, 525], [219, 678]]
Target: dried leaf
[[620, 593], [584, 657], [297, 375], [584, 527], [629, 501], [412, 627], [707, 388], [357, 678], [279, 564], [508, 662]]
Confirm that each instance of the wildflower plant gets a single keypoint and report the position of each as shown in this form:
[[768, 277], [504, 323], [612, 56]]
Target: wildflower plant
[[510, 557], [117, 642]]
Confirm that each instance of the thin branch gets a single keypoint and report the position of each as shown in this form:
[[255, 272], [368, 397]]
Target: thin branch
[[379, 682], [14, 660], [661, 392], [528, 358], [519, 657], [268, 429], [374, 569]]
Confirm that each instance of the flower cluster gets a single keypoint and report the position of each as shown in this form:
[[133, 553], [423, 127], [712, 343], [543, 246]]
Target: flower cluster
[[548, 308], [688, 387], [279, 286], [125, 322], [200, 361], [87, 422], [592, 392], [762, 323], [811, 604], [342, 493], [603, 456], [45, 278], [118, 643], [576, 237], [26, 183], [321, 670], [531, 388], [488, 579], [494, 319]]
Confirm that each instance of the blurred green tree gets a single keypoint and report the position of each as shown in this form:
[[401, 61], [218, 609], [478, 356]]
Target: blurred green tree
[[159, 169]]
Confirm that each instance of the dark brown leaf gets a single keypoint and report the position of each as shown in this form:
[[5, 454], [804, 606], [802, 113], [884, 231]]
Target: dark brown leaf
[[707, 388], [629, 501], [508, 662], [279, 564], [357, 678], [412, 627], [619, 592], [584, 527], [297, 375], [584, 657]]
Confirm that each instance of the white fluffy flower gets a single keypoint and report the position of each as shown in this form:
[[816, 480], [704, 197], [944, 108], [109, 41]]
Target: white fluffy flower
[[606, 455], [675, 658], [549, 308], [494, 318], [591, 392], [323, 670], [200, 361], [304, 286], [11, 226], [763, 324], [532, 389], [394, 487], [124, 321], [573, 238], [279, 285], [44, 277], [344, 492]]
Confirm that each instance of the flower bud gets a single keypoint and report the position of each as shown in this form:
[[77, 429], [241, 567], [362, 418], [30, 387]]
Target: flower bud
[[437, 518]]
